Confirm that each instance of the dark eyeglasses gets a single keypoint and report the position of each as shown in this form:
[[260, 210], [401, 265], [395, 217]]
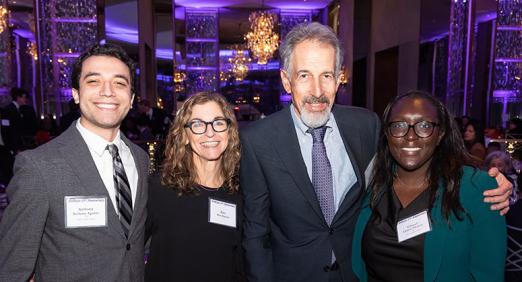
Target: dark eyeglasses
[[198, 126], [423, 129]]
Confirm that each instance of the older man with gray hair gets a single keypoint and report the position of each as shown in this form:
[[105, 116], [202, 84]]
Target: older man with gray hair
[[302, 169]]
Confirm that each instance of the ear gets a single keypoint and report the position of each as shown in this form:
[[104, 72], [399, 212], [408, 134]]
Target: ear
[[76, 96], [286, 81], [441, 135]]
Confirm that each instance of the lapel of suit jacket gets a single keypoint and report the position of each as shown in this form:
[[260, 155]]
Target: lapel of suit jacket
[[142, 176], [434, 241], [77, 154], [352, 140], [287, 146]]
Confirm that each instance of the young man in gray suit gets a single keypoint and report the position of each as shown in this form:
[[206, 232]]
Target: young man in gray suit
[[303, 169], [77, 209]]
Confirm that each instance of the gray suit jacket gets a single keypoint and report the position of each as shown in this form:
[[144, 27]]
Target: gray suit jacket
[[33, 236]]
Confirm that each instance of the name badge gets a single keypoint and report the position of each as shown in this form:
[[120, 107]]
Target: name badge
[[222, 213], [413, 226], [5, 122], [85, 211]]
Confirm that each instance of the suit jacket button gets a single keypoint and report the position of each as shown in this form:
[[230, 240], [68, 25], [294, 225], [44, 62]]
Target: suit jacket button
[[128, 246], [331, 231]]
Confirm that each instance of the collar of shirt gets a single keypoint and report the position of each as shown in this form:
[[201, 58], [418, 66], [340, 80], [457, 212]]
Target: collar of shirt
[[342, 170], [16, 105], [96, 143]]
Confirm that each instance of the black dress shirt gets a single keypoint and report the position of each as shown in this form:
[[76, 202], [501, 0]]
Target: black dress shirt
[[386, 259]]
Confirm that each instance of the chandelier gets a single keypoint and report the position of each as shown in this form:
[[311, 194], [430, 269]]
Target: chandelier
[[261, 39], [224, 76], [239, 61], [344, 77], [179, 76], [4, 15], [31, 50]]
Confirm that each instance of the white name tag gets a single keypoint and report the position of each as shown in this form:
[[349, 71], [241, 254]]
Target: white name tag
[[413, 226], [84, 211], [5, 122], [222, 213]]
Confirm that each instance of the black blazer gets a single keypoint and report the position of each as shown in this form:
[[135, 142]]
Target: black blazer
[[19, 135], [285, 235]]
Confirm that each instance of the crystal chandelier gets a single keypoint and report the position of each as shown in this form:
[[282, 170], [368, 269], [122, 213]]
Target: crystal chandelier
[[344, 77], [4, 15], [31, 50], [261, 39], [179, 76], [239, 61], [224, 76]]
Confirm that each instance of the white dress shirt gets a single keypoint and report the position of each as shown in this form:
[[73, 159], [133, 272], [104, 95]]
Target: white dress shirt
[[103, 161]]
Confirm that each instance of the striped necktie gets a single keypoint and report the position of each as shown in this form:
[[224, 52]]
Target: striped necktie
[[123, 192]]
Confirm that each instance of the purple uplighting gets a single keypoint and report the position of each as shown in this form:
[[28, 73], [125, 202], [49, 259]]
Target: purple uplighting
[[73, 20], [66, 55]]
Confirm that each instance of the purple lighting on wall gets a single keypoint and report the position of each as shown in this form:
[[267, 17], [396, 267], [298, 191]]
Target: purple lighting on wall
[[309, 4], [201, 40], [73, 20], [66, 55], [121, 33]]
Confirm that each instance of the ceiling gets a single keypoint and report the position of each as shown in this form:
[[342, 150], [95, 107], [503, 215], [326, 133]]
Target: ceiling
[[233, 16]]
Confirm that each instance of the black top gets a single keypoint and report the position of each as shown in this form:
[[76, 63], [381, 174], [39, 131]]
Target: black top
[[386, 259], [184, 245]]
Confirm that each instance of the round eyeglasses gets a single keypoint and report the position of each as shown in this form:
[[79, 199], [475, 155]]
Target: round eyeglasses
[[423, 129], [198, 126]]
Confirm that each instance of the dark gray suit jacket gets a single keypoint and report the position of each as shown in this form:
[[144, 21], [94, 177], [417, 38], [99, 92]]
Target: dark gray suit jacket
[[33, 236], [286, 236]]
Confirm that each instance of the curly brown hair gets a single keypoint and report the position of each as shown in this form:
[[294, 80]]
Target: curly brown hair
[[178, 170]]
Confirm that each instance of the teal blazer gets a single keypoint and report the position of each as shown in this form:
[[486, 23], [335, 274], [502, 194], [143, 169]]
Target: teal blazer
[[469, 250]]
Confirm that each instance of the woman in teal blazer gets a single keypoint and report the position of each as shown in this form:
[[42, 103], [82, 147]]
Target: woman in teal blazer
[[420, 167]]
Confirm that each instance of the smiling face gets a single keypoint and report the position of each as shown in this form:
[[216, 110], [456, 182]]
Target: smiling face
[[412, 152], [104, 96], [210, 145], [312, 81]]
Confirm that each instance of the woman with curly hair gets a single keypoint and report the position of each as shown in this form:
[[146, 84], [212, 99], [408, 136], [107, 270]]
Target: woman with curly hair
[[424, 218], [194, 205]]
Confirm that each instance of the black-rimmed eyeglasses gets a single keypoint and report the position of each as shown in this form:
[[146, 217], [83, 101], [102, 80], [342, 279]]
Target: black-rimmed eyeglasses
[[422, 129], [198, 126]]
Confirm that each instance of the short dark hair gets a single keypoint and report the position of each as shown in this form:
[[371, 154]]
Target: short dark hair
[[18, 92], [109, 50]]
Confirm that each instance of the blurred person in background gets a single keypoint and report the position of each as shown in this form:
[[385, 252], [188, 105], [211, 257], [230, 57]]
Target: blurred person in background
[[20, 121], [474, 141], [158, 119]]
